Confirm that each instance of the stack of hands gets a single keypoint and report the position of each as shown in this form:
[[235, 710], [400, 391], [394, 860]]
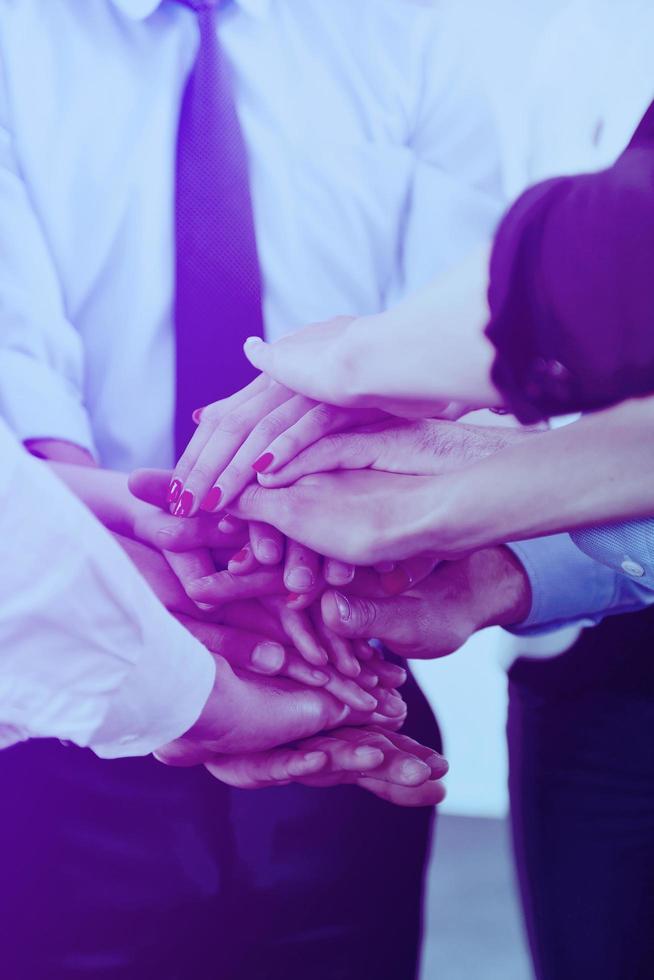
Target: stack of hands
[[295, 698]]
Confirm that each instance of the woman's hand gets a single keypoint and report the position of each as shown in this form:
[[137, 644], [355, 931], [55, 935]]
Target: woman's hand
[[235, 440], [413, 360]]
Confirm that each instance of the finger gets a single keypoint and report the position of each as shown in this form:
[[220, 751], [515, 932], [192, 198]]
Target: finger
[[150, 485], [390, 675], [302, 448], [399, 763], [337, 572], [252, 456], [191, 565], [438, 765], [428, 794], [300, 630], [224, 586], [390, 620], [358, 754], [243, 561], [302, 569], [345, 691], [391, 705], [267, 543], [215, 442], [248, 651], [258, 770], [340, 651]]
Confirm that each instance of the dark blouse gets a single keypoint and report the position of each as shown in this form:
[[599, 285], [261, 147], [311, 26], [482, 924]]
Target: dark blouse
[[572, 289]]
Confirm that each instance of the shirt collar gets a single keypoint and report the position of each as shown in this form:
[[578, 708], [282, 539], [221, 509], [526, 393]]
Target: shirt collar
[[140, 9]]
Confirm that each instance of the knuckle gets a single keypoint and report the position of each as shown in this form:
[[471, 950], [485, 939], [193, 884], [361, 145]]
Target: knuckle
[[321, 415], [272, 426]]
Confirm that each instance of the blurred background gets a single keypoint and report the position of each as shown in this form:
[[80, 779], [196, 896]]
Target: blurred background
[[473, 929]]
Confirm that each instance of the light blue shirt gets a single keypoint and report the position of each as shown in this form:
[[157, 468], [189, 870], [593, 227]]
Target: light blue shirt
[[580, 582]]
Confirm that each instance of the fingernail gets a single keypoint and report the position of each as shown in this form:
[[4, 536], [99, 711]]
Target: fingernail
[[268, 656], [367, 755], [253, 340], [341, 572], [385, 566], [300, 580], [396, 581], [185, 504], [269, 550], [240, 556], [262, 464], [174, 491], [292, 599], [394, 706], [197, 415], [212, 499], [368, 703], [311, 762], [343, 606], [228, 524], [414, 771], [319, 676]]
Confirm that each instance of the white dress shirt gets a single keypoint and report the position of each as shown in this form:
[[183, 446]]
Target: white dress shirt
[[373, 165], [87, 653]]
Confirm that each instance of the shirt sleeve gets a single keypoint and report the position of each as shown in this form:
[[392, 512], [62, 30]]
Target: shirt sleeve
[[87, 652], [626, 547], [41, 356], [569, 588], [571, 289]]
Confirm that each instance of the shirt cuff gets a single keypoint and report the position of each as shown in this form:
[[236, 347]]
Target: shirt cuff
[[162, 696], [38, 403], [569, 588]]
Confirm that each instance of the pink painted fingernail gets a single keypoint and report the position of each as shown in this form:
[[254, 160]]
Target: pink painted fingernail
[[197, 415], [343, 606], [262, 464], [240, 556], [212, 499], [174, 491], [185, 504]]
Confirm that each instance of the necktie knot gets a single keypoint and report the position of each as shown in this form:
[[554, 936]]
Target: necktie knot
[[199, 5]]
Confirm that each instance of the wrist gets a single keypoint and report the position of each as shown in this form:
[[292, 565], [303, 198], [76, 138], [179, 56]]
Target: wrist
[[499, 586]]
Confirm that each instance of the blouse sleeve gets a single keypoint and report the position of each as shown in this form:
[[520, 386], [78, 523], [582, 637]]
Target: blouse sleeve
[[572, 291]]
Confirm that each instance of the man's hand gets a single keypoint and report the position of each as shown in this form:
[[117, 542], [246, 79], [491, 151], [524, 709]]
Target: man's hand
[[425, 447], [388, 764], [488, 588], [248, 714]]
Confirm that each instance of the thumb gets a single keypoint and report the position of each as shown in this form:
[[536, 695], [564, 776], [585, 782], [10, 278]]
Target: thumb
[[259, 353], [359, 616], [150, 485]]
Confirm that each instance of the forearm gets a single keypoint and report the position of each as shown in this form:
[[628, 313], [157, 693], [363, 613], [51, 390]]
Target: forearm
[[597, 470], [431, 345]]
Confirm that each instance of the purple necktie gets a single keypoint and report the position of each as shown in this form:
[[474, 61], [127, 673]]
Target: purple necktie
[[218, 280]]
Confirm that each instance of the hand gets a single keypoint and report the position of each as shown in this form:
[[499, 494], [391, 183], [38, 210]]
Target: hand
[[248, 714], [361, 518], [390, 765], [435, 618], [234, 441], [427, 447], [413, 360]]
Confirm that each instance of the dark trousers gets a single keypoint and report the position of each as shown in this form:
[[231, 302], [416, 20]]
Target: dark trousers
[[581, 744], [128, 870]]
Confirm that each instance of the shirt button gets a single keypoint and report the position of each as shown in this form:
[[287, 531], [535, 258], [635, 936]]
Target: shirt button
[[632, 568]]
